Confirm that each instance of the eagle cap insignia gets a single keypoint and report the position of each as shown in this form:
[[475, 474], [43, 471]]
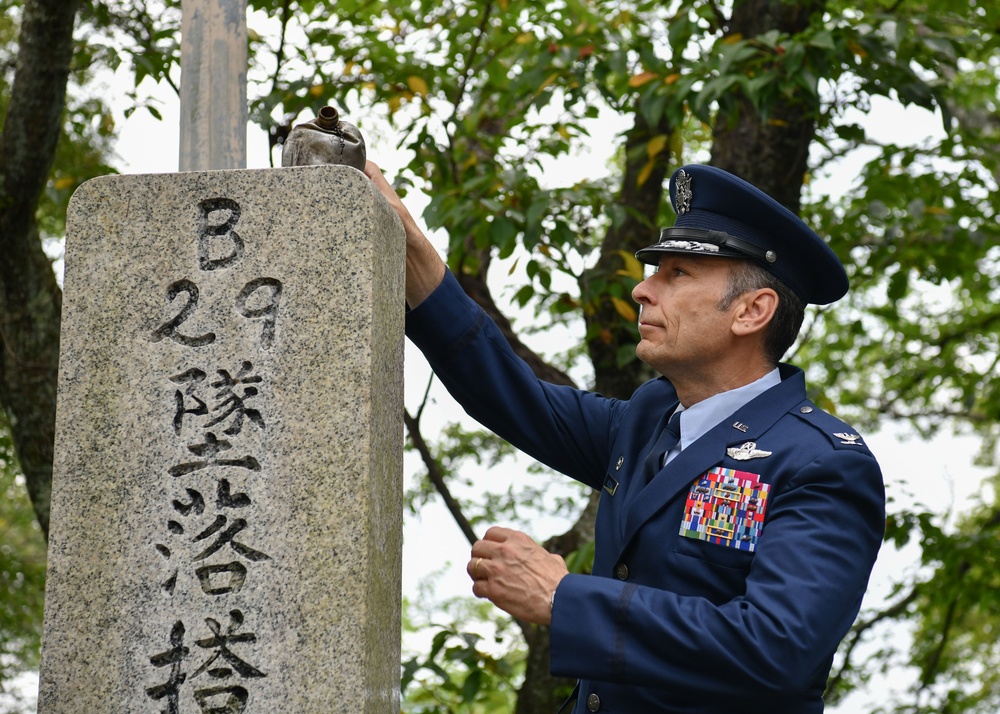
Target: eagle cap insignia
[[746, 452], [849, 439], [683, 195]]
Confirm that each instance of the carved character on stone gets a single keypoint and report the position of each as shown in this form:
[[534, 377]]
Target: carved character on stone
[[325, 140]]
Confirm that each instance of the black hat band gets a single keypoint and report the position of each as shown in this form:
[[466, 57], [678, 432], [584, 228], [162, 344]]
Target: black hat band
[[700, 240]]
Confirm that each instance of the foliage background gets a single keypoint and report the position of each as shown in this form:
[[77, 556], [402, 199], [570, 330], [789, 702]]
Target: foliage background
[[478, 103]]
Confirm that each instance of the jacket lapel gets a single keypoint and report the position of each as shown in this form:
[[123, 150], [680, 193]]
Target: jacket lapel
[[635, 488], [757, 416]]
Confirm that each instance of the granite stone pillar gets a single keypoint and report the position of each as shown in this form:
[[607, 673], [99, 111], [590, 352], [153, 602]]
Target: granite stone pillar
[[226, 506]]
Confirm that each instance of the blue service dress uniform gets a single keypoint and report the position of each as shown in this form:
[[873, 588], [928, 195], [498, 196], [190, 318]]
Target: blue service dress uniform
[[726, 583]]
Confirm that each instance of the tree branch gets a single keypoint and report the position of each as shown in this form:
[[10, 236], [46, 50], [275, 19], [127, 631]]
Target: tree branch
[[437, 478]]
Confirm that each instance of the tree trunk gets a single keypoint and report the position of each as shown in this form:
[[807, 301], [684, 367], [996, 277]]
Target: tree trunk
[[30, 298], [772, 154], [541, 693], [607, 330]]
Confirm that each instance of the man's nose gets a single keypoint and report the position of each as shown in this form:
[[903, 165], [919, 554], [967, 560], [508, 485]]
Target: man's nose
[[641, 292]]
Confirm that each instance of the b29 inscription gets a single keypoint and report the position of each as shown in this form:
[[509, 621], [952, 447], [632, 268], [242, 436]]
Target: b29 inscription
[[257, 300]]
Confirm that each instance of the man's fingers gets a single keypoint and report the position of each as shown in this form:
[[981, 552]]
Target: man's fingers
[[477, 568], [372, 170], [499, 534]]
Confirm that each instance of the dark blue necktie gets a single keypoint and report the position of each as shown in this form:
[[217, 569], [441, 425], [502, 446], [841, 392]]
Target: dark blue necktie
[[668, 439]]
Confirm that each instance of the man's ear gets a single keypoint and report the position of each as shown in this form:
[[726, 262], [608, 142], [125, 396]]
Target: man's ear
[[754, 311]]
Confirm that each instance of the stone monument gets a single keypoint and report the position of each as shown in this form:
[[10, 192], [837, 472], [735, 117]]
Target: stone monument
[[226, 505]]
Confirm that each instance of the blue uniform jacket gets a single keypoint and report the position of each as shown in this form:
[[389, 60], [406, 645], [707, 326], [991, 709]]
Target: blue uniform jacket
[[676, 619]]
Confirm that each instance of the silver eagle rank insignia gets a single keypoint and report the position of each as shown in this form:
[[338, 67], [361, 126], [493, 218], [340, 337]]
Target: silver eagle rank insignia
[[849, 439], [746, 452]]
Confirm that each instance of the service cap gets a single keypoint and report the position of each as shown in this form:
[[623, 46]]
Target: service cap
[[721, 214]]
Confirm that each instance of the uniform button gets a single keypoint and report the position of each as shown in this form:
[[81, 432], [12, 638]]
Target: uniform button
[[806, 410], [621, 572], [593, 702]]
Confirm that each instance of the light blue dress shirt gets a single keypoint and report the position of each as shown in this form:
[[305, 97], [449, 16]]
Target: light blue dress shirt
[[701, 417]]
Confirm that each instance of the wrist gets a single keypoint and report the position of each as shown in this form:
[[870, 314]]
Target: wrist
[[425, 271]]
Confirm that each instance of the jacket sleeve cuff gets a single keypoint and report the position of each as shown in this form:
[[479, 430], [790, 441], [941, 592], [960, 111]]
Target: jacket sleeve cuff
[[443, 319], [584, 643]]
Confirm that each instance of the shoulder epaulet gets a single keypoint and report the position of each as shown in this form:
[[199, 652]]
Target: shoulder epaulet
[[840, 434]]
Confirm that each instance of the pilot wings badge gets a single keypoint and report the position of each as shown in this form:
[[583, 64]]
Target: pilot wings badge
[[746, 452], [849, 439]]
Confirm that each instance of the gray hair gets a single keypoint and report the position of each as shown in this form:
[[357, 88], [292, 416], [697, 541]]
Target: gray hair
[[781, 332]]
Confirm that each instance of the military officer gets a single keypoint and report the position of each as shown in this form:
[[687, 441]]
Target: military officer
[[738, 522]]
